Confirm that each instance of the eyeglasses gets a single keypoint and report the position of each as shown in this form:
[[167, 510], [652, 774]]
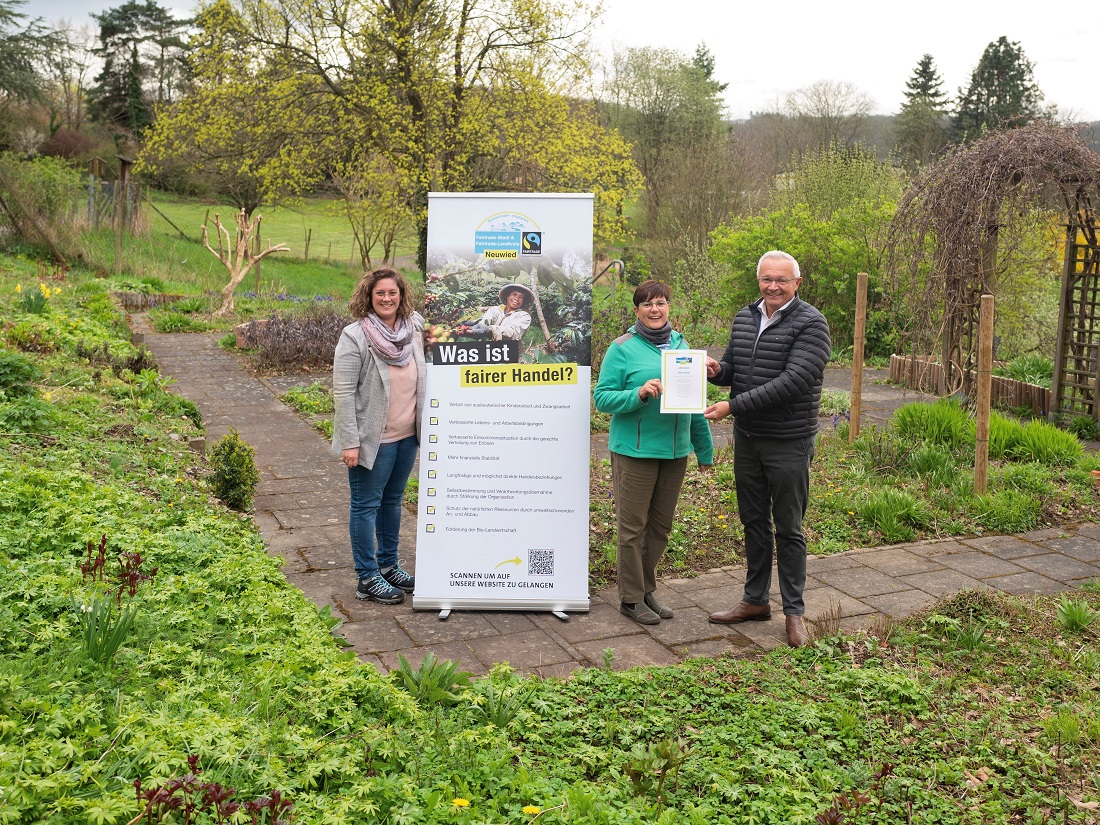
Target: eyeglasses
[[776, 281], [653, 304]]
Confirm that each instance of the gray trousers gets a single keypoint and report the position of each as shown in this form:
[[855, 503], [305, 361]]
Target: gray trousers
[[773, 485], [646, 493]]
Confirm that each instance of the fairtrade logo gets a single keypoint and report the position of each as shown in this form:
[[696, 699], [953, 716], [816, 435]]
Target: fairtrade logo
[[531, 243]]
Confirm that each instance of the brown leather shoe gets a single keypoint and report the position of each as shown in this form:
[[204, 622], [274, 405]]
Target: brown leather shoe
[[796, 632], [742, 612]]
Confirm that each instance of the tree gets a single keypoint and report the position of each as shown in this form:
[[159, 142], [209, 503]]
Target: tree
[[411, 70], [68, 74], [24, 47], [831, 212], [829, 113], [236, 253], [1002, 92], [249, 128], [141, 47], [922, 126], [663, 103]]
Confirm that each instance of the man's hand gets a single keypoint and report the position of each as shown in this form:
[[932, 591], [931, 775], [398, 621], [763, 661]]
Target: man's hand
[[713, 367], [716, 412], [650, 389]]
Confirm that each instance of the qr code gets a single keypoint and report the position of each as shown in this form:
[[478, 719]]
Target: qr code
[[540, 562]]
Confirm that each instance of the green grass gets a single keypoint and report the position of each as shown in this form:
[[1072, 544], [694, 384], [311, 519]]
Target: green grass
[[330, 235]]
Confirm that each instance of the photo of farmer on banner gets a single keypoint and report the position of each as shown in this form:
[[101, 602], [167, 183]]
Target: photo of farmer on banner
[[543, 308]]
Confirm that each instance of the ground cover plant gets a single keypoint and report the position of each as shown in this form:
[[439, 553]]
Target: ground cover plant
[[226, 686]]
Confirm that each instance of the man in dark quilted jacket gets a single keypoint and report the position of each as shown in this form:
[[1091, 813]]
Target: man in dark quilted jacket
[[774, 366]]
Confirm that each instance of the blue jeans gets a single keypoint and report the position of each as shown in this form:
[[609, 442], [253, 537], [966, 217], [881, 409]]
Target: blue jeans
[[376, 506], [772, 476]]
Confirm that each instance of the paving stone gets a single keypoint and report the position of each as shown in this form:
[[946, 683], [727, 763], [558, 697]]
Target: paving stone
[[375, 636], [894, 561], [563, 670], [320, 586], [1004, 547], [933, 549], [309, 517], [1083, 548], [509, 621], [374, 661], [1091, 531], [979, 565], [426, 628], [901, 604], [860, 581], [719, 598], [640, 650], [705, 581], [1023, 583], [942, 582], [764, 635], [532, 649], [823, 564], [329, 557], [822, 599], [1057, 566], [688, 625], [602, 621]]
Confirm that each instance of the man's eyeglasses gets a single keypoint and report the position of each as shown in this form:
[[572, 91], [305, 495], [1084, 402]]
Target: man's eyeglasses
[[653, 304], [776, 281]]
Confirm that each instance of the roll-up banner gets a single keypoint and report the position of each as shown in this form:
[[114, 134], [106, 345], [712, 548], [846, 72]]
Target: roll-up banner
[[504, 447]]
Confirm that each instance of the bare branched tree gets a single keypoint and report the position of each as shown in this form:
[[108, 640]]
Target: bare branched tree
[[236, 253]]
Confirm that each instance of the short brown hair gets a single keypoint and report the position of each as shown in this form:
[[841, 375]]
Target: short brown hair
[[363, 295], [648, 290]]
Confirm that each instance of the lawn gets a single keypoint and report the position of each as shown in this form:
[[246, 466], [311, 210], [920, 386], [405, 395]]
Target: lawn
[[226, 686]]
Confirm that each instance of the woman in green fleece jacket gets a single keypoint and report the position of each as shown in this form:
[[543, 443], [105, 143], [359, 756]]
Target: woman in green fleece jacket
[[649, 449]]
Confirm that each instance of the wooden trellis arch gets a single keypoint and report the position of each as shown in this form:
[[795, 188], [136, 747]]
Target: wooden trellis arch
[[952, 227]]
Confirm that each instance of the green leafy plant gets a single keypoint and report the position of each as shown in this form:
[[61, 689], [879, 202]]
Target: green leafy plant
[[434, 682], [945, 422], [25, 414], [235, 475], [1043, 442], [1075, 615], [17, 373], [35, 301], [314, 399], [103, 625], [893, 513], [149, 381], [1031, 369], [835, 402], [649, 766], [498, 707], [1084, 427]]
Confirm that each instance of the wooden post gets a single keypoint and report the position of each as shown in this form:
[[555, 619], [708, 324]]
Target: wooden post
[[256, 255], [309, 234], [985, 380], [122, 191], [857, 356]]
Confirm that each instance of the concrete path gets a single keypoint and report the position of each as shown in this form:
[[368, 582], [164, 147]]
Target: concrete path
[[302, 510]]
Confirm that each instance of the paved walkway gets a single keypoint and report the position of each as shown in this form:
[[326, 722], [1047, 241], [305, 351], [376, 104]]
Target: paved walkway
[[302, 509]]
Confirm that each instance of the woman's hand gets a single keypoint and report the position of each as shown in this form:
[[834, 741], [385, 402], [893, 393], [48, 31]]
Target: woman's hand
[[650, 389], [351, 457], [716, 412]]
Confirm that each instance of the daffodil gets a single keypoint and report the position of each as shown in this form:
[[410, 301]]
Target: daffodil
[[18, 287]]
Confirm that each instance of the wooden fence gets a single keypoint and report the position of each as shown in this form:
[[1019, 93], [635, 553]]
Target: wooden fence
[[923, 373]]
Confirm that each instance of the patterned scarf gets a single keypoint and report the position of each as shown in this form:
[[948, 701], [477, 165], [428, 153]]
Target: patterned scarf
[[394, 346]]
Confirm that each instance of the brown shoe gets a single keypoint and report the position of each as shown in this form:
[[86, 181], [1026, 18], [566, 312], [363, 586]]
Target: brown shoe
[[796, 632], [742, 612]]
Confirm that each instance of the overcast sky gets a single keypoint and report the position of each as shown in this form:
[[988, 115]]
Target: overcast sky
[[766, 49]]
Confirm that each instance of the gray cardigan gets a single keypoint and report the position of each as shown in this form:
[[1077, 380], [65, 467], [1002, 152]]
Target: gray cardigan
[[361, 391]]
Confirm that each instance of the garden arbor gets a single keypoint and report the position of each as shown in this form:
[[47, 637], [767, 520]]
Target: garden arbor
[[963, 225]]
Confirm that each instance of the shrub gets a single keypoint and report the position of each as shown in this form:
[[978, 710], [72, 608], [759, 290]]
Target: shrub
[[235, 474], [932, 463], [893, 513], [1004, 434], [945, 422], [305, 340], [1084, 427], [17, 372], [1031, 369], [835, 402]]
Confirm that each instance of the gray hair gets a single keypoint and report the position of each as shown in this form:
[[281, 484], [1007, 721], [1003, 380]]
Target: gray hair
[[783, 256]]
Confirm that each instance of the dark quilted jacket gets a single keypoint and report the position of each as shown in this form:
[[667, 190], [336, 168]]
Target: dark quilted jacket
[[775, 383]]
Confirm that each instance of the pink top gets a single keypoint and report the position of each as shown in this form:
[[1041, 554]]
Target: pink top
[[401, 421]]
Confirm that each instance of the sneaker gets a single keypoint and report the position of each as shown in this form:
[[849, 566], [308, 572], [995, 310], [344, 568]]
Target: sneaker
[[658, 608], [639, 613], [377, 589], [399, 579]]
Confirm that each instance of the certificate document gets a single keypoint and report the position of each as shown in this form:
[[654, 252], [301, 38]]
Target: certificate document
[[684, 377]]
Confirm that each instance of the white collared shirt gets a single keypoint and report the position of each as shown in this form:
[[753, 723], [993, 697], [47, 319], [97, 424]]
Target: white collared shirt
[[765, 321]]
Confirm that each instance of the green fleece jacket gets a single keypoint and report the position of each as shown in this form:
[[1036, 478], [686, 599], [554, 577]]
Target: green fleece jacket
[[638, 428]]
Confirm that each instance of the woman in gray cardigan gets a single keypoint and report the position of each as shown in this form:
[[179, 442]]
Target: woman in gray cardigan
[[378, 392]]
